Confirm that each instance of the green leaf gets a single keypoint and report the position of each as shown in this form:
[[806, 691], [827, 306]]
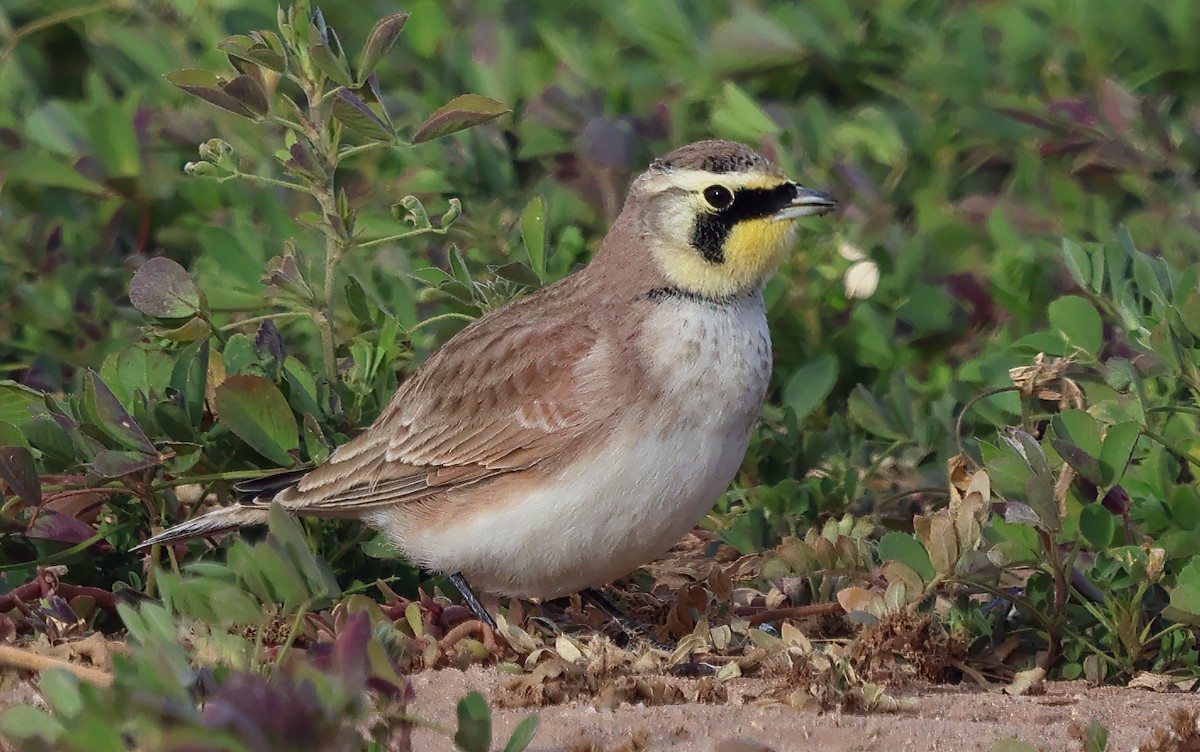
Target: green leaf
[[533, 232], [519, 273], [1077, 263], [27, 722], [61, 689], [1097, 526], [1079, 428], [288, 540], [255, 410], [1185, 508], [1118, 448], [474, 732], [38, 168], [904, 548], [810, 384], [57, 129], [189, 378], [459, 113], [522, 735], [1185, 596], [868, 412], [334, 66], [379, 43], [1095, 738], [115, 141], [750, 40], [1079, 322], [137, 370], [163, 289], [737, 115], [17, 401], [748, 532]]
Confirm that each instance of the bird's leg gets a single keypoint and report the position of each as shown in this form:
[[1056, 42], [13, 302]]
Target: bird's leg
[[627, 623], [472, 601]]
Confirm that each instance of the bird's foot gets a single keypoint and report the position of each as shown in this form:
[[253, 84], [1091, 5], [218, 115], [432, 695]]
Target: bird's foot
[[630, 627]]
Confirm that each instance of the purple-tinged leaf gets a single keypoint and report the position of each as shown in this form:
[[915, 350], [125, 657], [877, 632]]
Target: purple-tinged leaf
[[249, 93], [380, 42], [111, 463], [353, 113], [19, 473], [60, 528], [350, 650], [101, 408], [461, 112], [255, 49], [208, 86], [163, 289], [1116, 104]]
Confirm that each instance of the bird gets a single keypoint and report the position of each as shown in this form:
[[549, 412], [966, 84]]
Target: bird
[[565, 439]]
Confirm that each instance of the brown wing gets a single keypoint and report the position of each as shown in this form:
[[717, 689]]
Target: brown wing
[[493, 400]]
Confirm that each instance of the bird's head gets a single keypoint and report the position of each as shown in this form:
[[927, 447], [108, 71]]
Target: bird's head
[[717, 217]]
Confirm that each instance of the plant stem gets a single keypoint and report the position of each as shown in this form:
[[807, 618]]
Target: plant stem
[[186, 480], [333, 252], [265, 181], [354, 151], [45, 22], [404, 235], [1160, 439], [267, 317], [440, 317]]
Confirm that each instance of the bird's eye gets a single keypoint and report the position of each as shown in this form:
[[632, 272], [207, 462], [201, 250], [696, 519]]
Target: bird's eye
[[718, 196]]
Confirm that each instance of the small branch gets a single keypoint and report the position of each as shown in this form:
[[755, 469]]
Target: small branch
[[404, 235], [958, 424], [28, 661], [793, 612], [265, 181], [45, 22], [463, 631], [354, 151], [185, 480], [42, 586], [1160, 439], [267, 317], [440, 317]]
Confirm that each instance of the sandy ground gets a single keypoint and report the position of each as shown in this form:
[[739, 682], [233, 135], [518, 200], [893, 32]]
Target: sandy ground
[[947, 718]]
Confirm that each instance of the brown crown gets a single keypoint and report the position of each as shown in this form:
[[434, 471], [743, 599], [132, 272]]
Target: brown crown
[[713, 156]]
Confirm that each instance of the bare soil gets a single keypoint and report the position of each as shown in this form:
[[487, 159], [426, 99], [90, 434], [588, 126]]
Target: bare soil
[[945, 718]]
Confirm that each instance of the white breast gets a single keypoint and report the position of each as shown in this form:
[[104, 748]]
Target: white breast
[[661, 471]]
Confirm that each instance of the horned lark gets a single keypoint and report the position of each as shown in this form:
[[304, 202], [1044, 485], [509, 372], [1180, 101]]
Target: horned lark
[[563, 440]]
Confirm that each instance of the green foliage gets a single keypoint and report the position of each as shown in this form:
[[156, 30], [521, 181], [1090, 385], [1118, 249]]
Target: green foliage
[[1018, 177], [317, 700]]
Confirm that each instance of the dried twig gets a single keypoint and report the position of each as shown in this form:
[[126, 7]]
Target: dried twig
[[30, 661]]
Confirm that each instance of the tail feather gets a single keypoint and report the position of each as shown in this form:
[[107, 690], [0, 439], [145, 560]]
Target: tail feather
[[268, 486], [216, 521]]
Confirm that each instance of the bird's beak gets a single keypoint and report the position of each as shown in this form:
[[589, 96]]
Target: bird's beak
[[806, 203]]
